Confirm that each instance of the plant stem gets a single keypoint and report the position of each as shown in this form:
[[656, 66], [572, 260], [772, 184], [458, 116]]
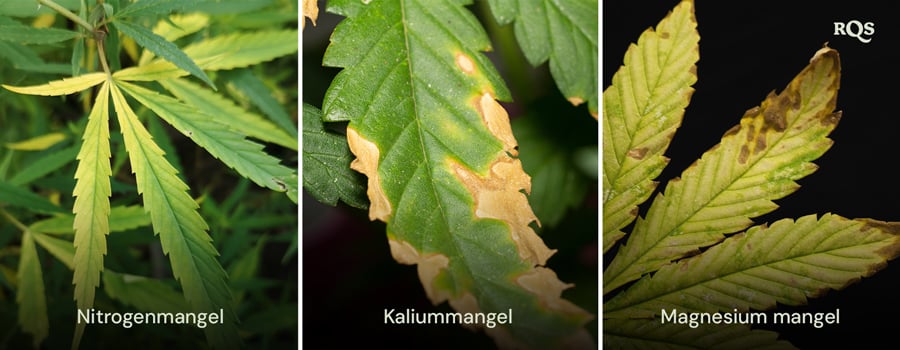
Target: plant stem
[[101, 51], [68, 14]]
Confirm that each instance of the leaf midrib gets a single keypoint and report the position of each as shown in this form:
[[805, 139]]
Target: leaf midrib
[[182, 235], [769, 264], [780, 137]]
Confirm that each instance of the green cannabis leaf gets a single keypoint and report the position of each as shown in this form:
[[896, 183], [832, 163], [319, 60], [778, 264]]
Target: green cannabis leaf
[[440, 157], [756, 162], [326, 164], [563, 32]]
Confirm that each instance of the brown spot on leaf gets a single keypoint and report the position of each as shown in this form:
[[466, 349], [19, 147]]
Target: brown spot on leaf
[[733, 131], [832, 118], [637, 153], [774, 111], [664, 35], [465, 63], [428, 265], [575, 100], [366, 162], [745, 153], [751, 112], [760, 144], [500, 196], [497, 121]]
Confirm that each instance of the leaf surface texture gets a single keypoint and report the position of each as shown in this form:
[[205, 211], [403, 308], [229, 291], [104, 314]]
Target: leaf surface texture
[[756, 162], [641, 111], [440, 158]]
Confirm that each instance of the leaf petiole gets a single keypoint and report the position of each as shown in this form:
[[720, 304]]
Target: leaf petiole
[[68, 14]]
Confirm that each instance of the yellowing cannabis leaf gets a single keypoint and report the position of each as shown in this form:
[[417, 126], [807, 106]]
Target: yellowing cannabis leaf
[[756, 162], [641, 111], [784, 263]]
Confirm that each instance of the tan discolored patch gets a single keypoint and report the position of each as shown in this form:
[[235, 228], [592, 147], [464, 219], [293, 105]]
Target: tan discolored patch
[[465, 63], [499, 196], [468, 304], [575, 100], [429, 266], [637, 153], [311, 11], [366, 162], [497, 121], [543, 282]]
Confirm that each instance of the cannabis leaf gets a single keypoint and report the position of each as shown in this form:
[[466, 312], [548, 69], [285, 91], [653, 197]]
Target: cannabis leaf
[[756, 162], [30, 295], [326, 164], [641, 111], [650, 334], [563, 32], [786, 263], [162, 48], [440, 158]]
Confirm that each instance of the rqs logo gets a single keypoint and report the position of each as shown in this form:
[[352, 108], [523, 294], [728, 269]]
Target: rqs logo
[[855, 29]]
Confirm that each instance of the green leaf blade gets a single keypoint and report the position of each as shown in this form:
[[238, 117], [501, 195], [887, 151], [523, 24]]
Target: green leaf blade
[[229, 113], [181, 229], [563, 32], [326, 164], [228, 145], [421, 100], [31, 35], [642, 110], [30, 294], [787, 263], [162, 48], [20, 197], [756, 162], [155, 7], [223, 52]]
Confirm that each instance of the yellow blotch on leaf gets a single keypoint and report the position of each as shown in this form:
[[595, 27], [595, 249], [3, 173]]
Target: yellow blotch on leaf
[[366, 162]]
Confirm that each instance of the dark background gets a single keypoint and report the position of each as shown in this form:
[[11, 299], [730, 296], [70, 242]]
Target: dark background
[[748, 49]]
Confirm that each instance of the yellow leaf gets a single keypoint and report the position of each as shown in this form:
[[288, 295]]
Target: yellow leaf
[[61, 87], [39, 143]]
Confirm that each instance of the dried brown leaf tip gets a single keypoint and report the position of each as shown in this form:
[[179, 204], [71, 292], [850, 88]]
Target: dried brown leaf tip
[[544, 283], [366, 162], [311, 11]]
